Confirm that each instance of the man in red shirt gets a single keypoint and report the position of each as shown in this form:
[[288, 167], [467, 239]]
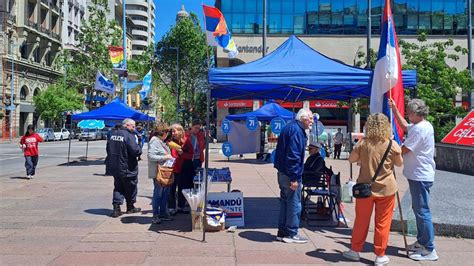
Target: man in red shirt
[[29, 145]]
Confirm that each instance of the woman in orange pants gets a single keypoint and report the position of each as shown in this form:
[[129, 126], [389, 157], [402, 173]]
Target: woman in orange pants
[[368, 153]]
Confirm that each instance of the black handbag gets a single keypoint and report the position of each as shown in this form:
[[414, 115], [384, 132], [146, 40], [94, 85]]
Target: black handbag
[[364, 190]]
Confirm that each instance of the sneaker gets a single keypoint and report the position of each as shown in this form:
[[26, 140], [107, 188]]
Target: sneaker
[[381, 260], [280, 236], [28, 177], [423, 254], [32, 176], [155, 220], [173, 212], [297, 239], [414, 247], [184, 210], [351, 255]]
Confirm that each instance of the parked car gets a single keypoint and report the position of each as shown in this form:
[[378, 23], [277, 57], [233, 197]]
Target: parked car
[[91, 134], [61, 134], [47, 134]]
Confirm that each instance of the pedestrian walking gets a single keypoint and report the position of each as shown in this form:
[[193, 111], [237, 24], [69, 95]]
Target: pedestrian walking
[[418, 153], [338, 139], [376, 169], [289, 161], [158, 154], [123, 152], [29, 145]]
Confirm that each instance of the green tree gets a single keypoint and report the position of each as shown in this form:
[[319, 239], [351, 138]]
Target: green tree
[[438, 82], [189, 38], [140, 65], [97, 33], [57, 99]]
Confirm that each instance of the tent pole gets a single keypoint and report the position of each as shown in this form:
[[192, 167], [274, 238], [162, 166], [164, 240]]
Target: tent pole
[[206, 162], [69, 148]]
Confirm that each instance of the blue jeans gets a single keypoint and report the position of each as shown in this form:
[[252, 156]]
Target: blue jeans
[[159, 202], [420, 200], [290, 207]]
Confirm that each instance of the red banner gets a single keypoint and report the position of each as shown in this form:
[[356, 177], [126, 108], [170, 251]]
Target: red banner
[[234, 104], [290, 104], [463, 133], [326, 104]]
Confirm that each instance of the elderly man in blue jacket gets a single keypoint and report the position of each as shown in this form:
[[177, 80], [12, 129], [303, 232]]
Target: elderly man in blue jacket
[[289, 161]]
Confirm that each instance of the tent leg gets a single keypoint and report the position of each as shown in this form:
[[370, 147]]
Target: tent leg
[[206, 161], [87, 147]]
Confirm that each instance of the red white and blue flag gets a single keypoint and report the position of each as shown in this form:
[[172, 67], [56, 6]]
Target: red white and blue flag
[[387, 76], [217, 32]]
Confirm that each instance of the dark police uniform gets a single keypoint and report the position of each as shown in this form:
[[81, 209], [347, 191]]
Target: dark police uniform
[[122, 162]]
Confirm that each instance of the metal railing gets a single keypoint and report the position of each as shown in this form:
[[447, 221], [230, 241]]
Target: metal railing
[[11, 18], [46, 2]]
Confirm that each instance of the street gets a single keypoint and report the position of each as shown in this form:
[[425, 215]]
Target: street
[[51, 154]]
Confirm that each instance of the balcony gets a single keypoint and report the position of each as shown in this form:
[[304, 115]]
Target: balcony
[[44, 30], [70, 2], [56, 36], [46, 2], [32, 24], [82, 9], [56, 9], [76, 4], [11, 19]]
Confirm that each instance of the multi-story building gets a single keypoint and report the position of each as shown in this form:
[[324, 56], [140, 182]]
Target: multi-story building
[[74, 12], [142, 13], [31, 42], [337, 29]]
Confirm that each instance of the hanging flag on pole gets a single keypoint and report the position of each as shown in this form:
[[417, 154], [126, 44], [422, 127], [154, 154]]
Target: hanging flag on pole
[[387, 76], [116, 56], [104, 84], [217, 32], [146, 86]]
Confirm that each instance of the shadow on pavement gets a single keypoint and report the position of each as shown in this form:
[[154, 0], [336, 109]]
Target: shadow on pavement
[[136, 220], [180, 223], [99, 161], [333, 256], [258, 236], [105, 212], [247, 161], [19, 177]]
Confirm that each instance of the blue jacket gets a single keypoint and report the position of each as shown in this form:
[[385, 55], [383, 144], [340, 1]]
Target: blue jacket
[[290, 150]]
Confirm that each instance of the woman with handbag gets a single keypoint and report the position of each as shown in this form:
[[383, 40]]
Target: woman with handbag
[[376, 186], [158, 154], [182, 150]]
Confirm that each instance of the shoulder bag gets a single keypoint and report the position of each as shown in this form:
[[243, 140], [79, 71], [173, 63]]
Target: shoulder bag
[[364, 190], [164, 175]]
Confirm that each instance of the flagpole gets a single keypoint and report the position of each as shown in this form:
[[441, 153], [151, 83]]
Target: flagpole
[[124, 27], [390, 21]]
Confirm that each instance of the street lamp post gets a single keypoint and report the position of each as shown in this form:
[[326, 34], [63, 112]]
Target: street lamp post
[[124, 26], [12, 89]]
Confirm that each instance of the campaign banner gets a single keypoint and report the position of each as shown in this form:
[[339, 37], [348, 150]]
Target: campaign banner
[[232, 203], [116, 56], [104, 84], [463, 133]]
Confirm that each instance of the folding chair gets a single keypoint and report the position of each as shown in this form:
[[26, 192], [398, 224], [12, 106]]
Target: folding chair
[[318, 185]]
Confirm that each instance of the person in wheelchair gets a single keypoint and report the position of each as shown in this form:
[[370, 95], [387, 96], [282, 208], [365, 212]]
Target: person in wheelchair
[[315, 162]]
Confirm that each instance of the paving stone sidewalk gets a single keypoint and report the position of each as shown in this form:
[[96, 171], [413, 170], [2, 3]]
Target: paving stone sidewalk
[[61, 218]]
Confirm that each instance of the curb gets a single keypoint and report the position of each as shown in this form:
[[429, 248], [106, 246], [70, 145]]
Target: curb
[[450, 230]]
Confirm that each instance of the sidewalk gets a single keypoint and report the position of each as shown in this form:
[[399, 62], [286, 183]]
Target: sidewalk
[[61, 217]]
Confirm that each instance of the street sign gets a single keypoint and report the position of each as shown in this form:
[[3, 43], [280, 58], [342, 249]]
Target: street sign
[[227, 149], [252, 123], [277, 124], [225, 126], [463, 133]]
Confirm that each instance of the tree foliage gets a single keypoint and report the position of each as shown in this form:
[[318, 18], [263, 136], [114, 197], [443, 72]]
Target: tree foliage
[[57, 99], [193, 54], [97, 33], [438, 81]]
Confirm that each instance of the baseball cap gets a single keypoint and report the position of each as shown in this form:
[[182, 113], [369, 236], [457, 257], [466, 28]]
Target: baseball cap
[[314, 144]]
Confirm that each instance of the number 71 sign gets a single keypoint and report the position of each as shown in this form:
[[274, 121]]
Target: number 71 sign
[[277, 124]]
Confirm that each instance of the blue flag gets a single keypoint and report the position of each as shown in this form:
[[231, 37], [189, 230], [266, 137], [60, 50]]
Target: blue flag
[[146, 86]]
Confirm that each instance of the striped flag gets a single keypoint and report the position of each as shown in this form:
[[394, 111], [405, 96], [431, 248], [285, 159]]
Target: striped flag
[[217, 32], [387, 76]]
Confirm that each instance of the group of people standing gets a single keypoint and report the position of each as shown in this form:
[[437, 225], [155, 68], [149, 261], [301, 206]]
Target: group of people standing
[[416, 154], [170, 145]]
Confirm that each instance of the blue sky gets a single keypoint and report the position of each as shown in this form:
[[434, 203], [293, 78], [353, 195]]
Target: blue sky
[[166, 13]]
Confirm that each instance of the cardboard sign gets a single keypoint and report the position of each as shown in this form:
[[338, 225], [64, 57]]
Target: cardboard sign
[[232, 203], [463, 133]]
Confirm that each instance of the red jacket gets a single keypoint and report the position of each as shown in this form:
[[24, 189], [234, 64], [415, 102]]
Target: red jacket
[[187, 154], [201, 143], [31, 143]]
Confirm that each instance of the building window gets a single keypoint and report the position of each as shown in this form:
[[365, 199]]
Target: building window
[[23, 93]]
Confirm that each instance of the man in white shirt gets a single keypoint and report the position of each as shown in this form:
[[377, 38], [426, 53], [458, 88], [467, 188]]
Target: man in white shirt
[[338, 138], [418, 156]]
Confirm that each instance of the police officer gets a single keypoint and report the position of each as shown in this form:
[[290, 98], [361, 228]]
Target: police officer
[[122, 162]]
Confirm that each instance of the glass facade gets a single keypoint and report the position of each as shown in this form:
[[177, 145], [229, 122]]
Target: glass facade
[[436, 17]]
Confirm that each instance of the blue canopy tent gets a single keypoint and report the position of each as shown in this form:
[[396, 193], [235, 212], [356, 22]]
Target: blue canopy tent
[[115, 110], [295, 72], [265, 113]]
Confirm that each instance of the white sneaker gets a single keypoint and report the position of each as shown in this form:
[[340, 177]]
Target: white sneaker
[[28, 177], [32, 176], [381, 260], [414, 247], [423, 254], [351, 254]]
